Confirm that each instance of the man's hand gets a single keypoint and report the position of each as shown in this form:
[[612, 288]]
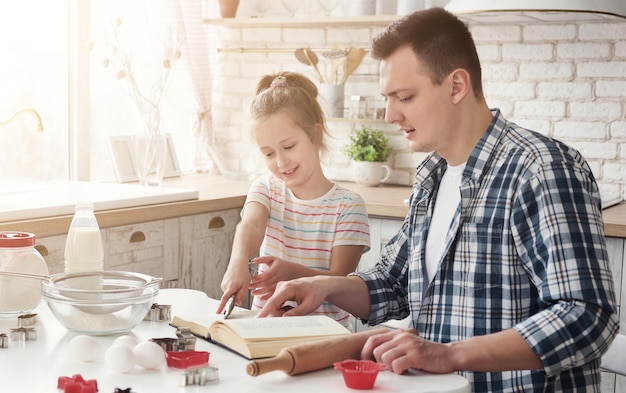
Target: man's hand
[[307, 292], [400, 350]]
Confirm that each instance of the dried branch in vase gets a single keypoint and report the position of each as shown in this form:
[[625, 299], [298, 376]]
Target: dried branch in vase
[[119, 60]]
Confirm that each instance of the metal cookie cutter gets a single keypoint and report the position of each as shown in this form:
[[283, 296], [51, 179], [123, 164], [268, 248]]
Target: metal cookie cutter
[[159, 312], [253, 268], [27, 320], [23, 334], [167, 343], [186, 339], [199, 376]]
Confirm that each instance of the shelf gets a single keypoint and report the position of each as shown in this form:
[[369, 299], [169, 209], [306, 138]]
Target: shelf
[[347, 21], [277, 50], [479, 18]]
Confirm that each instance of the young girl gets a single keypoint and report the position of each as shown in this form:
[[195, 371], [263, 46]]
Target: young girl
[[298, 221]]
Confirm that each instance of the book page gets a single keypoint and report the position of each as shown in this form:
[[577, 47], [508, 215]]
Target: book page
[[199, 323], [277, 328]]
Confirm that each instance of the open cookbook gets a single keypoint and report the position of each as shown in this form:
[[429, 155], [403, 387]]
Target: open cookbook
[[256, 338]]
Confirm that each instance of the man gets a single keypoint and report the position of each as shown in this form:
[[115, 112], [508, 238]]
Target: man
[[501, 262]]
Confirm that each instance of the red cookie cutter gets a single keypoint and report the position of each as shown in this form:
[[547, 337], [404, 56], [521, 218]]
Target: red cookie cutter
[[186, 359], [77, 384]]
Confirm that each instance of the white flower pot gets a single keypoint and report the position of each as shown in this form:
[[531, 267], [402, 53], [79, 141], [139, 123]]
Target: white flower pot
[[370, 174]]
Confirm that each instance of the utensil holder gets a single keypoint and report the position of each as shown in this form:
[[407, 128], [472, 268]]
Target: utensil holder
[[333, 96]]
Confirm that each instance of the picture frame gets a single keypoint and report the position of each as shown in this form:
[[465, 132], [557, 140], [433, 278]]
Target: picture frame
[[172, 166], [123, 158], [122, 151]]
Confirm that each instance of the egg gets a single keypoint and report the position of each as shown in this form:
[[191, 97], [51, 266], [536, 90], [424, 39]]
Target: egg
[[126, 340], [84, 348], [120, 358], [149, 355]]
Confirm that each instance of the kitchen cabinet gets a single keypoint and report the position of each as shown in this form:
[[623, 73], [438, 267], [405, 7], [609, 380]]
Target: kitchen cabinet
[[205, 244], [615, 247], [381, 231], [148, 247]]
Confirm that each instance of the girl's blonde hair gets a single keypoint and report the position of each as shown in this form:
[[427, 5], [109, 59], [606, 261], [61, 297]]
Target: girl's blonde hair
[[294, 95]]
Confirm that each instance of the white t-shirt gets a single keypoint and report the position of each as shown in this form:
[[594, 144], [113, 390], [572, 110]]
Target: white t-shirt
[[448, 199]]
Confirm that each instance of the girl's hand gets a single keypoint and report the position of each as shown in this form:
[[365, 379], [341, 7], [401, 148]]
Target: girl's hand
[[234, 282], [263, 284]]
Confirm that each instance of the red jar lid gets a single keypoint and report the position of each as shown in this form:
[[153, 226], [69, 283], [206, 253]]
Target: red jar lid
[[10, 239]]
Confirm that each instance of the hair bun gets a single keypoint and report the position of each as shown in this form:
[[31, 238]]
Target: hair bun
[[279, 81]]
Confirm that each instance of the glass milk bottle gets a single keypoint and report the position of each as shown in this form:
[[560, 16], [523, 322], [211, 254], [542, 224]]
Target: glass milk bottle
[[83, 247]]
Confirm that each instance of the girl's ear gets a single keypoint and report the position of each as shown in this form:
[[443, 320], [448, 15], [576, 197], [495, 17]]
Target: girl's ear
[[318, 134]]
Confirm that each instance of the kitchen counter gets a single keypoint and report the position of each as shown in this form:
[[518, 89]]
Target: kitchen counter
[[215, 193], [615, 221], [221, 193]]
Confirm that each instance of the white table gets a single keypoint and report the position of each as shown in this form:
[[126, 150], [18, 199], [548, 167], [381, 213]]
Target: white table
[[34, 366]]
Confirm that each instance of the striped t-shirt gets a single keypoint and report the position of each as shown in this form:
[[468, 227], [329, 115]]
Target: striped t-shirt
[[305, 231]]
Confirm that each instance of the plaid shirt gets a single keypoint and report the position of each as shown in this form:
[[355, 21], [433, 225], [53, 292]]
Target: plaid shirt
[[525, 250]]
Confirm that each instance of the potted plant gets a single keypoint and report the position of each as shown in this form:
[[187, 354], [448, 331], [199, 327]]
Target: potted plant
[[369, 149]]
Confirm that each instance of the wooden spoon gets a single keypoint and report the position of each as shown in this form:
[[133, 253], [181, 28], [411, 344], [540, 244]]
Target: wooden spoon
[[301, 56], [307, 57], [337, 58], [353, 59], [312, 57]]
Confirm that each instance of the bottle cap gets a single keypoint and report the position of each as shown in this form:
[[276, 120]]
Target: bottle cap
[[11, 239]]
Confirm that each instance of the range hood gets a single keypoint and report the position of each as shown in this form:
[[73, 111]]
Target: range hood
[[538, 11]]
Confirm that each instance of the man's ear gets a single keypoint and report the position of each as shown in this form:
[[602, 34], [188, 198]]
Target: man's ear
[[461, 84]]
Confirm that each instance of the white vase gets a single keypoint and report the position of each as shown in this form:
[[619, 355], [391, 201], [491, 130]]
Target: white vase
[[370, 174], [150, 152]]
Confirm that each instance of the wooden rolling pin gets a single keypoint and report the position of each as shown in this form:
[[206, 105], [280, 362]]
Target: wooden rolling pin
[[302, 358]]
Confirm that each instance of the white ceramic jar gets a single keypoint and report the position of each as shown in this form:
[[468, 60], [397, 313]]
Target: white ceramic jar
[[406, 7], [19, 295]]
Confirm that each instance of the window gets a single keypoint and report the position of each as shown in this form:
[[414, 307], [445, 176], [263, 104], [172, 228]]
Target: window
[[34, 74], [143, 35], [46, 65]]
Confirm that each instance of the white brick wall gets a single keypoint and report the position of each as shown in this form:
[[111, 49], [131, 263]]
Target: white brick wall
[[566, 81]]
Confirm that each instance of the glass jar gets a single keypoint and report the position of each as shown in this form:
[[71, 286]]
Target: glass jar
[[358, 107], [19, 295]]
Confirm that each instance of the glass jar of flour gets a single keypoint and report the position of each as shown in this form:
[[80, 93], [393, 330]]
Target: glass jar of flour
[[19, 295]]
